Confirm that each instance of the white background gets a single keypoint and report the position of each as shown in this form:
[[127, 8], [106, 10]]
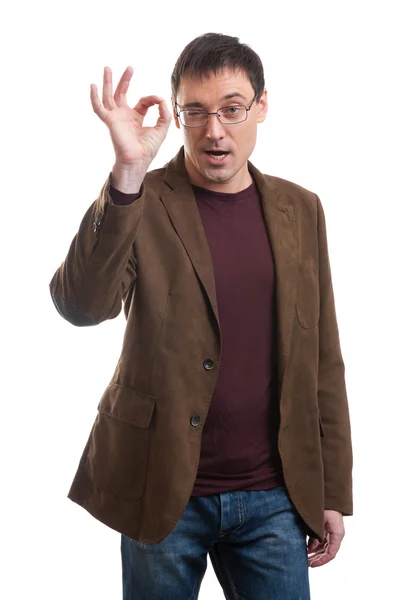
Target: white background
[[337, 75]]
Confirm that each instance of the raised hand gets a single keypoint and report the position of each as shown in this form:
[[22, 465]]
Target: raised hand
[[133, 143]]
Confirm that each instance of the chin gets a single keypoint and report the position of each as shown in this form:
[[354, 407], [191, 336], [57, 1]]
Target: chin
[[219, 177], [218, 173]]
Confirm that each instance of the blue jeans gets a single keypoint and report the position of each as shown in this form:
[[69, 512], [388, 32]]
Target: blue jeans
[[257, 546]]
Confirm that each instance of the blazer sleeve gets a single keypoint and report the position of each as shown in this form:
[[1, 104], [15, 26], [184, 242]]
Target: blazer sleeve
[[101, 264], [332, 396]]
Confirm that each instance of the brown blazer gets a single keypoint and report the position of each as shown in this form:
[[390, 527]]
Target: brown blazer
[[140, 461]]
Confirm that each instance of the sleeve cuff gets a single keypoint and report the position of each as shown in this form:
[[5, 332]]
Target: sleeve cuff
[[121, 199]]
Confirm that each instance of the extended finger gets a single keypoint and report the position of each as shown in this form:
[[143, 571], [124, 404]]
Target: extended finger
[[122, 87], [95, 101], [108, 100]]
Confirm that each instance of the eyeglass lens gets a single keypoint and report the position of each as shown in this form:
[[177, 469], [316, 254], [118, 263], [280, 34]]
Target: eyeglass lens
[[228, 114]]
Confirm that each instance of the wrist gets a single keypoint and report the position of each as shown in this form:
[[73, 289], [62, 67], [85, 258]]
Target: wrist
[[127, 178]]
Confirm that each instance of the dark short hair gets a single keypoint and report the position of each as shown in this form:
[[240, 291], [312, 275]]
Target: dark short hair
[[213, 52]]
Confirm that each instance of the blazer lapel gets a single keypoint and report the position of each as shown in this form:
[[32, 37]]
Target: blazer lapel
[[280, 221], [179, 201]]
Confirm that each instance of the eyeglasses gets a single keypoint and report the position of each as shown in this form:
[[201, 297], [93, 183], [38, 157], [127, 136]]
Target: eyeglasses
[[227, 115]]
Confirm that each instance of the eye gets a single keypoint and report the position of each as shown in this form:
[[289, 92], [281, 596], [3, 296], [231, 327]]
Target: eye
[[195, 113], [230, 110]]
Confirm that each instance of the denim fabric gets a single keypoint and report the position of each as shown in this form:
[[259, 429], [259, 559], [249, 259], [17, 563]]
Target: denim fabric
[[257, 546]]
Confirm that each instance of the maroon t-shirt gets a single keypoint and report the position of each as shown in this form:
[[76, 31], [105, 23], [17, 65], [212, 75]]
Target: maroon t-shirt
[[239, 449]]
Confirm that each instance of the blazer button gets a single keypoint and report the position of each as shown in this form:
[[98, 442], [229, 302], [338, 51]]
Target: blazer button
[[195, 420], [208, 364], [98, 221]]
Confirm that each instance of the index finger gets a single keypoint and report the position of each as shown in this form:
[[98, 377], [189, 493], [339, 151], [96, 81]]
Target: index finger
[[145, 102], [122, 87]]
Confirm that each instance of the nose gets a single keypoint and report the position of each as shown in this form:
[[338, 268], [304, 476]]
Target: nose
[[215, 130]]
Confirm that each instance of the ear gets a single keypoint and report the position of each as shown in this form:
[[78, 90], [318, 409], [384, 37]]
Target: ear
[[176, 119], [262, 107]]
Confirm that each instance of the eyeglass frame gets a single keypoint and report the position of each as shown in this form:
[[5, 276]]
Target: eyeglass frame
[[213, 113]]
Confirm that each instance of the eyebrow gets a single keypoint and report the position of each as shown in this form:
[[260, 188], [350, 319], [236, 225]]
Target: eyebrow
[[226, 97]]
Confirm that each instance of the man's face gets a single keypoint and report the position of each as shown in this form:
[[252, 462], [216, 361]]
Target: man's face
[[229, 174]]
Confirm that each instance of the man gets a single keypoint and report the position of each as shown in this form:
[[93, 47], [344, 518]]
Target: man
[[225, 427]]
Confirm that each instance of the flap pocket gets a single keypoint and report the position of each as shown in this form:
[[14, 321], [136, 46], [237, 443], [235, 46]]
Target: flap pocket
[[119, 448], [127, 405]]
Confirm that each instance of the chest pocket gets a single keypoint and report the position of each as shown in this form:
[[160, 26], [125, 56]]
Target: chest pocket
[[308, 295]]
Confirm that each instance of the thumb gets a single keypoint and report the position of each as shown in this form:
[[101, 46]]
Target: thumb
[[313, 543], [165, 117]]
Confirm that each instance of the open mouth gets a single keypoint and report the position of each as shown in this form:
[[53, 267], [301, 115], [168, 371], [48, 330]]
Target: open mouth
[[217, 155]]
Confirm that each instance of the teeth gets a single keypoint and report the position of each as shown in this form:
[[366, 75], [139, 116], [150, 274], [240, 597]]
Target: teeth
[[217, 156]]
